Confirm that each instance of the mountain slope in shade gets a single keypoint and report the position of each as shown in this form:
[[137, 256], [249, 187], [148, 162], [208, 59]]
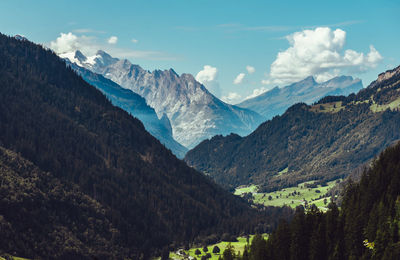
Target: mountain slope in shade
[[277, 100], [321, 142], [68, 129], [136, 106], [195, 114], [29, 196]]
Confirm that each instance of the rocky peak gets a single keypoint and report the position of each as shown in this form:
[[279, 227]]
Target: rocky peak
[[194, 113], [80, 57], [388, 74], [104, 59]]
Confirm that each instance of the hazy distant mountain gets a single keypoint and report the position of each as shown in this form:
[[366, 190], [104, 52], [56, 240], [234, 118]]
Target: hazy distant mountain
[[324, 141], [277, 100], [135, 105], [195, 114]]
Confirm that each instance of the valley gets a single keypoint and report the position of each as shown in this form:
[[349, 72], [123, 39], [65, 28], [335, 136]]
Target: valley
[[323, 141], [238, 247], [195, 130]]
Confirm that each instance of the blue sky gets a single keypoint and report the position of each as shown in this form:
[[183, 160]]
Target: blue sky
[[313, 37]]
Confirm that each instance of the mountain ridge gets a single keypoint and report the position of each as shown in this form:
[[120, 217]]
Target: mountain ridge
[[277, 100], [69, 130], [324, 141], [195, 114], [135, 105]]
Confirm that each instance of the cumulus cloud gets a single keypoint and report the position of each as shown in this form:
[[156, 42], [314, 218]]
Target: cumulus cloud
[[208, 73], [89, 45], [250, 69], [208, 77], [231, 98], [257, 92], [320, 53], [112, 40], [239, 78], [68, 42]]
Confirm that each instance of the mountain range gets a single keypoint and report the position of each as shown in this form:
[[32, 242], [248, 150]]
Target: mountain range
[[324, 141], [135, 105], [277, 100], [195, 114], [82, 179]]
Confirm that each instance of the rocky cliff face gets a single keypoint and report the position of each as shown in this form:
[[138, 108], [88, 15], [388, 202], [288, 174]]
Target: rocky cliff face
[[135, 105], [277, 100], [195, 114]]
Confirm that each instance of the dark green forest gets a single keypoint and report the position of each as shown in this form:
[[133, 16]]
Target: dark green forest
[[307, 141], [82, 178], [365, 227]]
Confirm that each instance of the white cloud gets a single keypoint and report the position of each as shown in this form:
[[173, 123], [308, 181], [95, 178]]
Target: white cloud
[[112, 40], [89, 45], [320, 53], [257, 92], [208, 73], [208, 77], [135, 40], [67, 42], [239, 78], [250, 69], [231, 98]]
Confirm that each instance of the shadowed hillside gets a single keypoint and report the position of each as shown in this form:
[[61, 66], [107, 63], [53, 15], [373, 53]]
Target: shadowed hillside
[[134, 195]]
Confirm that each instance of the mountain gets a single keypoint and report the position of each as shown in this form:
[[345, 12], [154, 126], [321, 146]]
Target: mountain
[[135, 105], [81, 178], [195, 114], [365, 227], [45, 206], [277, 100], [324, 141]]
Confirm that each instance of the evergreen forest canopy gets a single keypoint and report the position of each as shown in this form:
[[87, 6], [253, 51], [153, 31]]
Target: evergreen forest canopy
[[324, 142], [81, 178], [366, 227]]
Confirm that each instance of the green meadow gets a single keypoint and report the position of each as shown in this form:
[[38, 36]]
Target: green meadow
[[238, 247], [292, 196]]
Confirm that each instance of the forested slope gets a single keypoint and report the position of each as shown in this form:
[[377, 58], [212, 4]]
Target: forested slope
[[72, 134], [325, 141], [366, 226]]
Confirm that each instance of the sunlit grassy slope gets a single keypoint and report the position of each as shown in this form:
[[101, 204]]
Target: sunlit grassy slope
[[238, 247], [293, 196]]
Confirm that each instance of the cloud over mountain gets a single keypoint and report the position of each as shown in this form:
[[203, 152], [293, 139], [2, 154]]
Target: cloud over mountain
[[319, 52], [250, 69], [112, 40], [70, 42], [208, 77], [239, 78]]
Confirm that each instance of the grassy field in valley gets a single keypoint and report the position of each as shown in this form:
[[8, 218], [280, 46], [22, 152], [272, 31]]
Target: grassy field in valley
[[238, 247], [12, 257], [292, 196]]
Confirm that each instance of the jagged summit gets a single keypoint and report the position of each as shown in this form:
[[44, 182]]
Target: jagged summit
[[387, 75], [195, 114]]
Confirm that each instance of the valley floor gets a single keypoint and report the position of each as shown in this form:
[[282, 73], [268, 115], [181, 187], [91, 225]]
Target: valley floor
[[306, 194], [238, 247]]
